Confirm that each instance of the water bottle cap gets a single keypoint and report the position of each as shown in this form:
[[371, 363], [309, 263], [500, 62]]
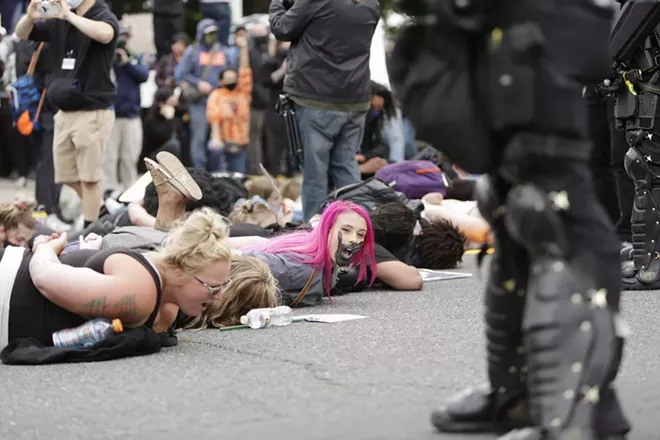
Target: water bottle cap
[[117, 326], [244, 320]]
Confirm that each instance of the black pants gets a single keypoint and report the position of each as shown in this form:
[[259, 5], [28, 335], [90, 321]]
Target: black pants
[[614, 188], [165, 27], [276, 144], [47, 191], [24, 151], [6, 127]]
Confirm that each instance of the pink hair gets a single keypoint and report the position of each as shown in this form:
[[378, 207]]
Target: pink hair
[[314, 244]]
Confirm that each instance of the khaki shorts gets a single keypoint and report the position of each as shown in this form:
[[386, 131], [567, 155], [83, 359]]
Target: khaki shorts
[[79, 140]]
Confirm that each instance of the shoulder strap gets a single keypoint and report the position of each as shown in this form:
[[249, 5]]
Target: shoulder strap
[[159, 288], [39, 107], [304, 290], [34, 59]]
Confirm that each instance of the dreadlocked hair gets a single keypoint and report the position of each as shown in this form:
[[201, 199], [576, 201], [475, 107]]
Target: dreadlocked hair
[[393, 225], [215, 194], [440, 245]]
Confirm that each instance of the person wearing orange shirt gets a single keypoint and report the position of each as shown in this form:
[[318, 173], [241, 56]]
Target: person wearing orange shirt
[[228, 113]]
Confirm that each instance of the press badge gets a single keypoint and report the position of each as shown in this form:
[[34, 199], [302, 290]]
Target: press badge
[[68, 63]]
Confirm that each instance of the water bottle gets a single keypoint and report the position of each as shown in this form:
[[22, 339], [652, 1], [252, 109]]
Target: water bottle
[[263, 318], [87, 334]]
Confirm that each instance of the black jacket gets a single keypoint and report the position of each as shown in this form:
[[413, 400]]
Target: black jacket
[[330, 47]]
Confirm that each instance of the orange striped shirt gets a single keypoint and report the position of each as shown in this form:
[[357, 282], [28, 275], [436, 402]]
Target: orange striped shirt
[[231, 109]]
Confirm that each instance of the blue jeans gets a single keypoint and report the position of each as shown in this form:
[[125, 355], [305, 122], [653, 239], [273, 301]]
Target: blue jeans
[[199, 133], [232, 162], [221, 13], [330, 141]]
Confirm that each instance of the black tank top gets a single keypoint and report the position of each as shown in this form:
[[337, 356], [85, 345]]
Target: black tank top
[[31, 315]]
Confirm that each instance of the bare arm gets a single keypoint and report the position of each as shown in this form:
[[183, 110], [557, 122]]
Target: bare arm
[[474, 228], [243, 242], [277, 75], [24, 27], [130, 297], [399, 275], [96, 30], [139, 216]]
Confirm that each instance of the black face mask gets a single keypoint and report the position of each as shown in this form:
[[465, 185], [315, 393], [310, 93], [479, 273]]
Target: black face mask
[[230, 86], [350, 249]]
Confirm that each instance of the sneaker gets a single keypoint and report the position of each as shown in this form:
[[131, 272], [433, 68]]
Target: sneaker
[[79, 223], [112, 205], [57, 225]]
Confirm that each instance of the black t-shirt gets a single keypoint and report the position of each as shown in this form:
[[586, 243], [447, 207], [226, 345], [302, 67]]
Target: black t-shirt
[[88, 85], [382, 255]]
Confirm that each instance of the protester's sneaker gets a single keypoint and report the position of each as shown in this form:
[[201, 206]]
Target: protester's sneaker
[[57, 225], [112, 205], [79, 223]]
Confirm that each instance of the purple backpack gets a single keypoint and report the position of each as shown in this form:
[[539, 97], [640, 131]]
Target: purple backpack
[[414, 178]]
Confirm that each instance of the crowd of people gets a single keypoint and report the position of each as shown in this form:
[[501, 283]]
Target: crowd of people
[[206, 233]]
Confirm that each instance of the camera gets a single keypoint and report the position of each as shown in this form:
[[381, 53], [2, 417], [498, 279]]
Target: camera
[[48, 9], [121, 44]]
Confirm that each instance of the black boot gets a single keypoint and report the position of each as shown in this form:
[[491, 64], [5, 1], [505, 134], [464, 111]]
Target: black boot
[[642, 162]]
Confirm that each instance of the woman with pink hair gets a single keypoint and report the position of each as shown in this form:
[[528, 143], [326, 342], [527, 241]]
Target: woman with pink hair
[[306, 263]]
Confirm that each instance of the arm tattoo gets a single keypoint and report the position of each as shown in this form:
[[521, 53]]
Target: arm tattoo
[[127, 306], [95, 308]]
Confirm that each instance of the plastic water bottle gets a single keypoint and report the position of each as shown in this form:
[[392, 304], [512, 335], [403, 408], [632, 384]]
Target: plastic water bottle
[[87, 334], [263, 318]]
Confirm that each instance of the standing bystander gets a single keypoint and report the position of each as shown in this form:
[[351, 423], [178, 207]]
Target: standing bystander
[[82, 48], [120, 159], [328, 79]]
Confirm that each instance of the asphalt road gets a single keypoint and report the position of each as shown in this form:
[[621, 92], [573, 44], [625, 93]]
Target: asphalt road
[[372, 379], [376, 378]]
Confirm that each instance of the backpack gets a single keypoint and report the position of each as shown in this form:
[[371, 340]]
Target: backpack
[[370, 194], [25, 99], [414, 178]]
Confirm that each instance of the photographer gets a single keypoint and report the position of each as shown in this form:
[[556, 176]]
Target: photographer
[[328, 79], [121, 155], [82, 53]]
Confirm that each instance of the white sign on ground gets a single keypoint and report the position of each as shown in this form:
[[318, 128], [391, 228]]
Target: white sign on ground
[[441, 275]]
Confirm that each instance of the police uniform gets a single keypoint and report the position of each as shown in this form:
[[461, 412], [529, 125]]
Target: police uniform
[[498, 84]]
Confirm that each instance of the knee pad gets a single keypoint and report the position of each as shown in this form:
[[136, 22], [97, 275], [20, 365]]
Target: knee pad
[[636, 167], [488, 201], [533, 220]]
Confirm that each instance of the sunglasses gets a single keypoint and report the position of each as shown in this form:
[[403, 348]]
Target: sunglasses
[[214, 290]]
